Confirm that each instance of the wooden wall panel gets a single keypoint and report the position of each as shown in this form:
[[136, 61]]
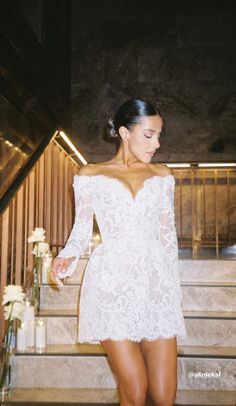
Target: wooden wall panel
[[19, 241], [44, 199]]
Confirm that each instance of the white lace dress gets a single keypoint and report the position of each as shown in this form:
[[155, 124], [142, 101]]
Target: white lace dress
[[131, 287]]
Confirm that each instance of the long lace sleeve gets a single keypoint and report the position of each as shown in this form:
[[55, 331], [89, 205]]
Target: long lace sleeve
[[168, 235], [81, 232]]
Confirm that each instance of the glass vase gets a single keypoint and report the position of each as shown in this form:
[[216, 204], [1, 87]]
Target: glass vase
[[5, 384], [5, 361], [35, 290]]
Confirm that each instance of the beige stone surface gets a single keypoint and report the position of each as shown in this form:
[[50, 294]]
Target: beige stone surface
[[209, 328], [210, 332], [108, 396], [207, 374], [195, 297], [76, 366], [66, 297], [209, 298], [207, 270]]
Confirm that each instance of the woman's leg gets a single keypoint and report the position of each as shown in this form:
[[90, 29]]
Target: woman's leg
[[160, 357], [126, 360]]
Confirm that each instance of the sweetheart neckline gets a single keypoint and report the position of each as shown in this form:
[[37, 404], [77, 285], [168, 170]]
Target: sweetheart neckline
[[133, 197]]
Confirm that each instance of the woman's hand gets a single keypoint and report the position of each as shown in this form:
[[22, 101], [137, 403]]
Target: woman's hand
[[60, 265]]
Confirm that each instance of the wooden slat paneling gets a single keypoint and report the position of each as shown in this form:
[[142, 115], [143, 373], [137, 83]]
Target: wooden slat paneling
[[19, 241], [44, 199]]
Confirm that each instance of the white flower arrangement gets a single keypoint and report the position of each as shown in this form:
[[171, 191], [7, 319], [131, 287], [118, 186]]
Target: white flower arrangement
[[38, 235], [13, 301], [15, 312], [13, 293], [40, 250]]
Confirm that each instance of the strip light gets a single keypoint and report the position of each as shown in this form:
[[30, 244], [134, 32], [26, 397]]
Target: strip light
[[202, 165], [215, 165], [179, 165], [77, 153]]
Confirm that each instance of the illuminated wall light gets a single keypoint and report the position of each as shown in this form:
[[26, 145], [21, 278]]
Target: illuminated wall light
[[215, 165], [179, 165], [77, 153], [8, 143], [15, 147]]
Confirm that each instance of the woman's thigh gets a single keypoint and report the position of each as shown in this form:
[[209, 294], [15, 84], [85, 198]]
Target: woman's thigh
[[160, 357], [126, 360]]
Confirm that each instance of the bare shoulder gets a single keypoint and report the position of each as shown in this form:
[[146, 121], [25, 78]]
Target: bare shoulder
[[96, 169], [163, 170], [87, 170]]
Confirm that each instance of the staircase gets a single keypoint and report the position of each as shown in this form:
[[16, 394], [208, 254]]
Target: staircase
[[78, 374]]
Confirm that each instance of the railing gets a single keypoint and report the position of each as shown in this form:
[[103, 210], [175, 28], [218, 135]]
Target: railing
[[44, 199], [205, 207]]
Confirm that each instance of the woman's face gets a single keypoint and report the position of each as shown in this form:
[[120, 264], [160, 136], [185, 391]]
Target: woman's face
[[143, 138]]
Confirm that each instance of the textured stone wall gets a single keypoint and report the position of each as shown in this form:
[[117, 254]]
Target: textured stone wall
[[179, 54]]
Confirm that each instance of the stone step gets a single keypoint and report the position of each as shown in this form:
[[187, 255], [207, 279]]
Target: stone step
[[109, 397], [209, 298], [198, 297], [52, 297], [207, 252], [98, 350], [61, 329], [190, 270], [203, 328], [80, 366]]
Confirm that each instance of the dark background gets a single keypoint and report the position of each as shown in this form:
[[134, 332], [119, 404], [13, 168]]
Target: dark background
[[93, 55]]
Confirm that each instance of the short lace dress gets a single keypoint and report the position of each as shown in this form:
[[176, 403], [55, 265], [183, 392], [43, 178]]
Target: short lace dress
[[131, 286]]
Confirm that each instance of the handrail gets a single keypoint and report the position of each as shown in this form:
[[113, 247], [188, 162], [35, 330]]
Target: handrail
[[15, 184]]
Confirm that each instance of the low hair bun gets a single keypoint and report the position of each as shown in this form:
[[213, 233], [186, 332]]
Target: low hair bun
[[110, 129], [128, 115]]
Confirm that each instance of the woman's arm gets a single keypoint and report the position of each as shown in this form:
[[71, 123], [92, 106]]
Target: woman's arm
[[65, 263], [168, 234]]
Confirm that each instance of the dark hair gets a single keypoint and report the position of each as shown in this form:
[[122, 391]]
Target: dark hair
[[129, 114]]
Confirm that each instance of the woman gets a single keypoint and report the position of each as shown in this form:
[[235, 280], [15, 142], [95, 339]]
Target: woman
[[131, 296]]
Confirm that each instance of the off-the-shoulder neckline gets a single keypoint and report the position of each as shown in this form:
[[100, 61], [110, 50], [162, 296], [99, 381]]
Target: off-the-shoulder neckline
[[122, 184], [112, 177]]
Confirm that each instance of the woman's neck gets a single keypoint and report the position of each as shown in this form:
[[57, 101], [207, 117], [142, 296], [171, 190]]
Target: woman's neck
[[119, 158]]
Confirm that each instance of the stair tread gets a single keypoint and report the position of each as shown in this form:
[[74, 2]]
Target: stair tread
[[111, 396], [186, 313], [97, 349], [60, 395], [59, 312], [196, 282], [209, 314], [210, 283]]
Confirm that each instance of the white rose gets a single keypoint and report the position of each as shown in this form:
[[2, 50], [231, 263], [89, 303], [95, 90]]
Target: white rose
[[37, 235], [40, 249], [17, 311], [13, 293]]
